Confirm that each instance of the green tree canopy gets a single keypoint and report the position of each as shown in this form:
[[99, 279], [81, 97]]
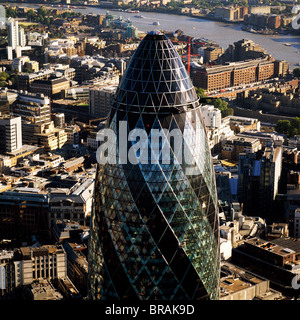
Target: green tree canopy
[[201, 92], [296, 72], [283, 126], [42, 11]]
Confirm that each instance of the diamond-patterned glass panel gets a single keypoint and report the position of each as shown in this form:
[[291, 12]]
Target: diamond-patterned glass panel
[[154, 227]]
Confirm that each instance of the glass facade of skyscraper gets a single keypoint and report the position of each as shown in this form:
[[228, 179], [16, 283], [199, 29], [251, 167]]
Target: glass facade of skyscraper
[[154, 227]]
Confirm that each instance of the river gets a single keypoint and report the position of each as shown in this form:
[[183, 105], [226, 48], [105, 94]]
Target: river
[[222, 33]]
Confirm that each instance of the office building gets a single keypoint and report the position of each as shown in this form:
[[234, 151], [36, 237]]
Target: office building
[[73, 134], [42, 289], [276, 260], [231, 13], [37, 127], [242, 50], [16, 34], [101, 100], [25, 79], [33, 108], [211, 116], [259, 175], [76, 206], [52, 88], [24, 212], [231, 74], [132, 32], [46, 262], [11, 133], [235, 145], [59, 119], [16, 39], [19, 63], [10, 275], [211, 54], [154, 229], [47, 136]]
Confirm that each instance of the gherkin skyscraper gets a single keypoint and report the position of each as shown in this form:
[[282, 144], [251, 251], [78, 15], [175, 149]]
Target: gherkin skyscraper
[[154, 227]]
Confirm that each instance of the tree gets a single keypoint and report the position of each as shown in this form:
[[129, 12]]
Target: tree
[[220, 104], [227, 112], [47, 21], [11, 13], [201, 92], [283, 126], [42, 11], [295, 123], [296, 72], [4, 76], [30, 14]]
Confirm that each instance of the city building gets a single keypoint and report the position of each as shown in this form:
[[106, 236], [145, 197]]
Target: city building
[[67, 288], [51, 87], [67, 231], [235, 145], [78, 271], [36, 39], [218, 77], [232, 13], [100, 100], [10, 275], [171, 216], [25, 79], [260, 20], [32, 108], [24, 212], [73, 134], [241, 124], [16, 39], [46, 262], [11, 133], [211, 54], [37, 127], [218, 128], [242, 50], [48, 137], [211, 116], [42, 289], [132, 32], [276, 260], [239, 284], [291, 212], [297, 223], [259, 174], [58, 119], [75, 205], [19, 63]]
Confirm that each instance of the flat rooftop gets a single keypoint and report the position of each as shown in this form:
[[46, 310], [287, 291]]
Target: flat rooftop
[[271, 246]]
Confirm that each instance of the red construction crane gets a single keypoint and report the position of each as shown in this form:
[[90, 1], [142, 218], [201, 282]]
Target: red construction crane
[[189, 42]]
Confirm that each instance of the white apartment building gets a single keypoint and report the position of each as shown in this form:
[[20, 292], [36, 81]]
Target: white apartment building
[[18, 63], [16, 39], [212, 116], [217, 129]]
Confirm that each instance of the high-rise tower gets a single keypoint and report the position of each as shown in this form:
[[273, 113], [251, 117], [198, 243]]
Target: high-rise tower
[[154, 228]]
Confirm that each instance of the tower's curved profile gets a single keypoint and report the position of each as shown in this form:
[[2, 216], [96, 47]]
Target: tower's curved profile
[[154, 227]]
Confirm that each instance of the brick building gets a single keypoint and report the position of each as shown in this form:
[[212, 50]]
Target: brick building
[[231, 74]]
